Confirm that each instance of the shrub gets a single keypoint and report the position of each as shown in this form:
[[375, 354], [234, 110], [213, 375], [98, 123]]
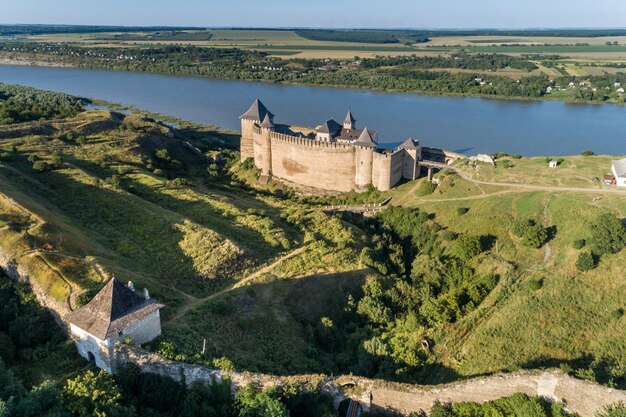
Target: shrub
[[516, 156], [41, 166], [587, 153], [579, 244], [462, 210], [608, 235], [427, 188], [534, 284], [449, 235], [505, 163], [534, 235], [468, 246], [585, 261]]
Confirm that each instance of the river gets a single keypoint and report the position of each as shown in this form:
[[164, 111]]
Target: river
[[464, 124]]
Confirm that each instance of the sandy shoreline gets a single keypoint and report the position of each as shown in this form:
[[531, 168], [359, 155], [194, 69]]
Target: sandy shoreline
[[28, 62]]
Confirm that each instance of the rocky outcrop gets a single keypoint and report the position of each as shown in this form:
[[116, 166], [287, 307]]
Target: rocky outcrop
[[10, 265]]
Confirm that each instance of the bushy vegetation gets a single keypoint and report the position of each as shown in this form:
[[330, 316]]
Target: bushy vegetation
[[22, 104], [608, 234], [533, 234], [516, 405]]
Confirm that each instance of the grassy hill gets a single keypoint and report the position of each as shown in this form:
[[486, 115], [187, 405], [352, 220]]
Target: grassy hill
[[272, 283]]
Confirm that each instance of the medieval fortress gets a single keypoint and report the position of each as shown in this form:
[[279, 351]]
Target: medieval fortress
[[333, 156]]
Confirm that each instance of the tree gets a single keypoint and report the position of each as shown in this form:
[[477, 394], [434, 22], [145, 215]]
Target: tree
[[92, 394], [608, 234], [468, 246], [254, 403], [10, 385], [43, 400], [533, 234], [585, 261]]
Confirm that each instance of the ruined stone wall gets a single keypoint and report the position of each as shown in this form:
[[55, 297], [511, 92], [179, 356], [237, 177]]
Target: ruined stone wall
[[387, 170], [328, 166], [582, 397]]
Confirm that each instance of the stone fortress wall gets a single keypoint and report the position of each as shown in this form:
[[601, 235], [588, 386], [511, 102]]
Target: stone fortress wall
[[328, 165]]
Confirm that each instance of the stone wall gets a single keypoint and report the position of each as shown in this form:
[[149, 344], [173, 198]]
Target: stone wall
[[144, 330], [328, 166], [582, 397]]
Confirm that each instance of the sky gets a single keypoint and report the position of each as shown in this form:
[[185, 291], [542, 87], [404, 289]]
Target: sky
[[321, 13]]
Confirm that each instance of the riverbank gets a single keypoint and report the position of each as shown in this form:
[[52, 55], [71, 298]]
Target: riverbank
[[548, 97]]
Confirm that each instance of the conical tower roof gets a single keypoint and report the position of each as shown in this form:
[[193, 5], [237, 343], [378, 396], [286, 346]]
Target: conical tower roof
[[114, 308], [349, 118], [267, 122], [365, 140], [257, 112], [410, 144]]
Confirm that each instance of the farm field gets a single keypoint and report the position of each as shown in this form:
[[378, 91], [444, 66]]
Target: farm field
[[289, 43]]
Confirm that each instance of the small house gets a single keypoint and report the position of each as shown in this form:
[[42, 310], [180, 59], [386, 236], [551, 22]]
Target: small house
[[619, 172], [617, 84], [553, 163], [548, 89], [116, 313], [609, 180], [620, 91]]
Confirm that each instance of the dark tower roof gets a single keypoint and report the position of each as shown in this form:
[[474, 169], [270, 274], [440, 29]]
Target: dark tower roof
[[257, 112], [349, 119], [113, 309], [365, 140], [410, 144], [267, 122], [330, 126]]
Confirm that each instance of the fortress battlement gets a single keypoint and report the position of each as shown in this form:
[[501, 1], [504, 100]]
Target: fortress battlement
[[332, 157]]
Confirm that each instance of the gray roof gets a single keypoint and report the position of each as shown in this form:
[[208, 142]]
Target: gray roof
[[366, 139], [257, 112], [112, 310], [349, 118], [267, 122], [330, 126], [620, 167], [410, 144]]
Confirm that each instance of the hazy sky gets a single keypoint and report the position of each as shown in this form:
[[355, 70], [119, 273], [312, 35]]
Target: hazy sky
[[321, 13]]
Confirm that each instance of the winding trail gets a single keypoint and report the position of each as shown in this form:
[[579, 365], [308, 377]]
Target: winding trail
[[235, 285]]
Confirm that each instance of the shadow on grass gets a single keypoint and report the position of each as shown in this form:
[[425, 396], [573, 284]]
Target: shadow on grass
[[288, 327]]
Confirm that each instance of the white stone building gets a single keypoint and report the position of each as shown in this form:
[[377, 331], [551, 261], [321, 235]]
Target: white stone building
[[619, 172], [117, 312]]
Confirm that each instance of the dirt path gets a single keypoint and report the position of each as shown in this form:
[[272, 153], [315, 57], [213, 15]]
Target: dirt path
[[537, 187], [247, 280]]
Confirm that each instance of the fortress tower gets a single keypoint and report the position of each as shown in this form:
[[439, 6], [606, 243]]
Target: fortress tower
[[265, 145], [364, 156], [254, 116], [412, 156]]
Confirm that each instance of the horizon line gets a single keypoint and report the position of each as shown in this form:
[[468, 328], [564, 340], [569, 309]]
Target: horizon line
[[235, 27]]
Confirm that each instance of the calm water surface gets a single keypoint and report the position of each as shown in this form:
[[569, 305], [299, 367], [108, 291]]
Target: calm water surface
[[468, 125]]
